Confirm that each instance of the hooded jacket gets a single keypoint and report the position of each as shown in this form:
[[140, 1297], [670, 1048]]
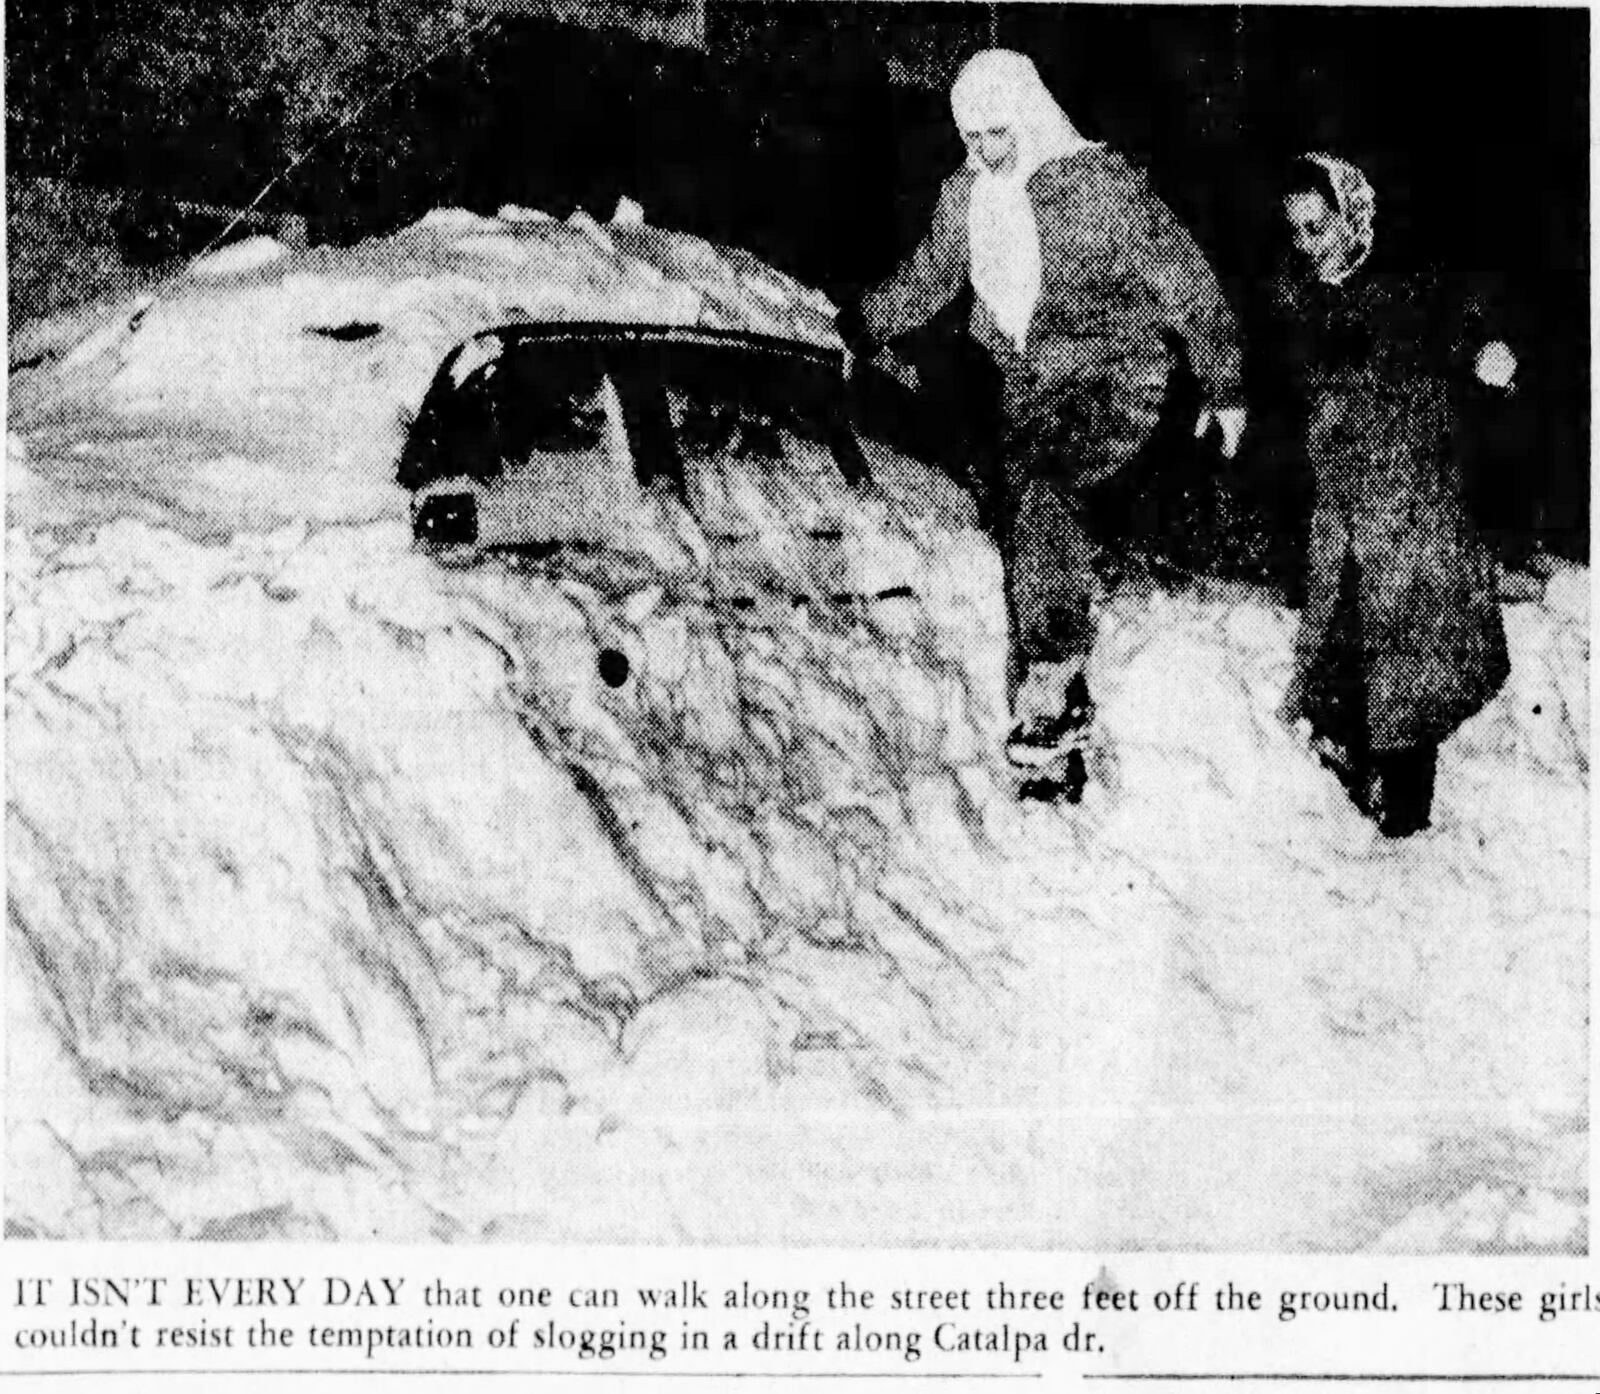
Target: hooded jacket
[[1118, 276]]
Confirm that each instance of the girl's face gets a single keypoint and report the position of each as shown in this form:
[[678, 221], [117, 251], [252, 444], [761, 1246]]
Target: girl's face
[[1318, 233], [996, 146]]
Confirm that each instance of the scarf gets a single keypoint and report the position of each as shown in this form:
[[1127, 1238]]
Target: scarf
[[1355, 205], [998, 88]]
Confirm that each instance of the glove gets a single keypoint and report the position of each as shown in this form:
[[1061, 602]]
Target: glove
[[1495, 365], [1229, 420]]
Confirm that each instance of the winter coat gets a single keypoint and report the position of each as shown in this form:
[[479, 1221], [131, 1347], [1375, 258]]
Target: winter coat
[[1401, 595], [1121, 279]]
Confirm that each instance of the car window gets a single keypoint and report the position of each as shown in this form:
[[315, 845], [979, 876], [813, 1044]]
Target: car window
[[710, 425], [744, 402], [494, 406], [551, 439], [758, 472]]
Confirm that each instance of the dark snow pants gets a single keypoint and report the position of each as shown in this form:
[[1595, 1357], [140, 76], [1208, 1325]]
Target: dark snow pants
[[1061, 434]]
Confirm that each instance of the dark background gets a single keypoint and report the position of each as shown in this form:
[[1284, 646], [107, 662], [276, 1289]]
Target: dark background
[[816, 134]]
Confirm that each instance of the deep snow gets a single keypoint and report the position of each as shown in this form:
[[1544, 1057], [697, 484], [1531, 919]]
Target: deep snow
[[347, 900]]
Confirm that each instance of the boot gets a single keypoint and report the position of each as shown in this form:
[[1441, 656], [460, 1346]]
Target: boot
[[1405, 789], [1053, 711], [1064, 784]]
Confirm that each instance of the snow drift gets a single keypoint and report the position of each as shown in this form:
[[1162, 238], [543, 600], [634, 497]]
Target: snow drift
[[349, 899]]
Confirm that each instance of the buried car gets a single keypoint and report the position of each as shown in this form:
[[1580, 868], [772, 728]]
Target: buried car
[[724, 451]]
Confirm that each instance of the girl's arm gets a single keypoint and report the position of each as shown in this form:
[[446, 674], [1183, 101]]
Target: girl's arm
[[930, 278], [1169, 261]]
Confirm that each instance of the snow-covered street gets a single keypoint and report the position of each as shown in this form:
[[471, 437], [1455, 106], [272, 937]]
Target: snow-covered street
[[348, 901]]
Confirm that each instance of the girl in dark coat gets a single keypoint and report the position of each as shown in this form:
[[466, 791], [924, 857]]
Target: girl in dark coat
[[1081, 277], [1401, 639]]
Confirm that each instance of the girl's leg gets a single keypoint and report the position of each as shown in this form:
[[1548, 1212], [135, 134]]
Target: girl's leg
[[1049, 576], [1061, 436], [1048, 580]]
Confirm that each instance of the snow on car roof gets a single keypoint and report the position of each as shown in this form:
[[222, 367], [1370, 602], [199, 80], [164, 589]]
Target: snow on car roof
[[303, 366]]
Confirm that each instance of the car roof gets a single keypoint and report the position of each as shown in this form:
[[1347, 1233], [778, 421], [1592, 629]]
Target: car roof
[[601, 333]]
